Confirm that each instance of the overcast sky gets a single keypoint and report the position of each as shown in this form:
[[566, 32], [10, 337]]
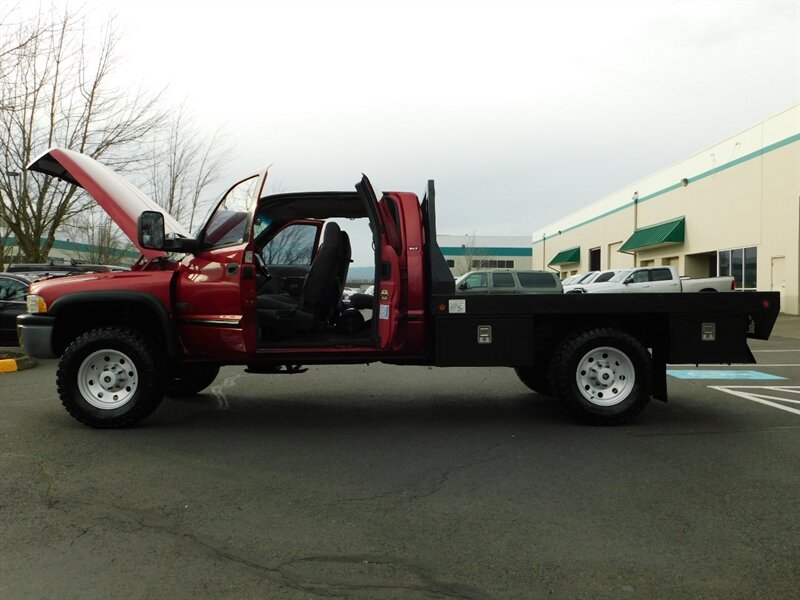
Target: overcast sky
[[521, 112]]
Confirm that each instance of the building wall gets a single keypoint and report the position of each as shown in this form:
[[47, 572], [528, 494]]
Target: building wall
[[742, 192], [462, 251]]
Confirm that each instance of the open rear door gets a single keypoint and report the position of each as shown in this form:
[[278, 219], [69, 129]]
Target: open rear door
[[387, 284]]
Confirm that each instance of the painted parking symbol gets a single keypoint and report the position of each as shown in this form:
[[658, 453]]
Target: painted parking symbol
[[782, 397], [721, 374]]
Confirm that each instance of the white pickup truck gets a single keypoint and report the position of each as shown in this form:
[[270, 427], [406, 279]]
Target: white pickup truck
[[659, 280]]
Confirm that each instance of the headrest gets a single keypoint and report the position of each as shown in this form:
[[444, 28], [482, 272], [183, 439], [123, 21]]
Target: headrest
[[332, 233]]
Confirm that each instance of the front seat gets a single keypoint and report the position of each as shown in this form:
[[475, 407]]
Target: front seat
[[318, 299]]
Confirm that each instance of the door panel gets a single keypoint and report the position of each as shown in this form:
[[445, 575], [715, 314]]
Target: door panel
[[387, 288], [215, 290], [215, 304]]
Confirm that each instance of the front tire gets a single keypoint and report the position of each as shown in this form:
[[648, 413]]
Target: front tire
[[604, 376], [111, 377]]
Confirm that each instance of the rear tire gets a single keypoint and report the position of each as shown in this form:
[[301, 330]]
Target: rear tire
[[604, 376], [111, 377]]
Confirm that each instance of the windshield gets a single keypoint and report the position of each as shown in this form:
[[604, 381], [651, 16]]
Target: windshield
[[619, 277]]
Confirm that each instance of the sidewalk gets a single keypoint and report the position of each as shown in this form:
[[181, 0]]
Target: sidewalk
[[787, 326]]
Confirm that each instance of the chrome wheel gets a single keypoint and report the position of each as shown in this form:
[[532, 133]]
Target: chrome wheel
[[107, 379], [605, 376]]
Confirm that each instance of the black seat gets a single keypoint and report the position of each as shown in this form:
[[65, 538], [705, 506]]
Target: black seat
[[344, 266], [320, 295]]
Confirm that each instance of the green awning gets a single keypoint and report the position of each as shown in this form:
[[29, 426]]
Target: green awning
[[654, 236], [565, 257]]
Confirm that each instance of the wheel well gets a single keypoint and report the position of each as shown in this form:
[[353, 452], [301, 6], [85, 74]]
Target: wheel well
[[75, 320], [652, 331]]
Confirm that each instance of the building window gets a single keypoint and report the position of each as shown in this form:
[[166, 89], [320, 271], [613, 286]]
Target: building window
[[742, 264], [451, 263], [492, 264]]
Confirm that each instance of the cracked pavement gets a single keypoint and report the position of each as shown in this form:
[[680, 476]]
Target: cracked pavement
[[381, 482]]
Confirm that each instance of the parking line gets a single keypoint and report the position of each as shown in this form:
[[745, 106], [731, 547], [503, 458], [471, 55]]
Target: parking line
[[739, 365], [789, 350], [762, 398]]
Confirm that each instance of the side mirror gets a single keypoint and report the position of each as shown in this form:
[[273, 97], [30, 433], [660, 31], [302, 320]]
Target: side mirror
[[628, 280], [462, 285], [150, 230], [150, 233]]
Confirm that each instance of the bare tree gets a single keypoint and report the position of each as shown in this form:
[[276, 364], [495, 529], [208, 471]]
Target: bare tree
[[292, 246], [5, 246], [182, 165], [97, 239], [467, 262], [58, 92], [14, 37]]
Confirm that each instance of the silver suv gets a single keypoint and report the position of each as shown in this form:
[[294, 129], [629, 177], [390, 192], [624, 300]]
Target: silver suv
[[509, 281]]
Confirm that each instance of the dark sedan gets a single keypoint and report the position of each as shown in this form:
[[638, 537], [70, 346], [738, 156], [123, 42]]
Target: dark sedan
[[13, 289]]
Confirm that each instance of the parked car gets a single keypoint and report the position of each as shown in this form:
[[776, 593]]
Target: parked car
[[508, 281], [13, 289], [660, 280], [63, 269], [591, 279], [569, 279]]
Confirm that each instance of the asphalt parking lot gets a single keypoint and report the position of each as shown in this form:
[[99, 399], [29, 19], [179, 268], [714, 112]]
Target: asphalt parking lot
[[400, 482]]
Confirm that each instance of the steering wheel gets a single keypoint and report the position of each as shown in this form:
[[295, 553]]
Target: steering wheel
[[261, 266]]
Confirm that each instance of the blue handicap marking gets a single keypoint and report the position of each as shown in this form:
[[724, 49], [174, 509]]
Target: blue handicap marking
[[719, 374]]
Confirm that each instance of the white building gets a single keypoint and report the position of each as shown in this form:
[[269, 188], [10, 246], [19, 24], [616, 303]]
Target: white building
[[731, 209], [473, 252]]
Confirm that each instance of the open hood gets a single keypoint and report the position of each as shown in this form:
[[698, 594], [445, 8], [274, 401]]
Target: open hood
[[122, 201]]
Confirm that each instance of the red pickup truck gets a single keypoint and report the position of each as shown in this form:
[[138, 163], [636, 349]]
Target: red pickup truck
[[261, 285]]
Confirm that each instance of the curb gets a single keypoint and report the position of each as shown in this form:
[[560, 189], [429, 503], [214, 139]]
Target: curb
[[13, 361]]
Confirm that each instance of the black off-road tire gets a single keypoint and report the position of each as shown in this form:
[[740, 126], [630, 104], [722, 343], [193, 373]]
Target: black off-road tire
[[191, 379], [604, 376], [111, 377], [536, 378]]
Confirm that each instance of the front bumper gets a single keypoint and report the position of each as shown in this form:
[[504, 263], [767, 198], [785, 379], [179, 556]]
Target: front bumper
[[35, 335]]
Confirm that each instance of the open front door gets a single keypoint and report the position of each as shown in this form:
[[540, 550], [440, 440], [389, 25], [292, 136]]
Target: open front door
[[215, 289], [388, 292]]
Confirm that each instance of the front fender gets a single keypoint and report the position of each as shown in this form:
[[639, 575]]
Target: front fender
[[140, 310]]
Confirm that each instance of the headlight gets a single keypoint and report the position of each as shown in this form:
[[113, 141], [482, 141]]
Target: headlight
[[36, 304]]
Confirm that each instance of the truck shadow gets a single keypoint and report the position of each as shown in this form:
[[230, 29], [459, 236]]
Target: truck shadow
[[335, 413]]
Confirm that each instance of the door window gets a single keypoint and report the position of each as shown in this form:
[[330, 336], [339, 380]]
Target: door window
[[228, 224], [542, 280], [503, 280], [293, 245], [12, 290], [661, 275], [476, 280]]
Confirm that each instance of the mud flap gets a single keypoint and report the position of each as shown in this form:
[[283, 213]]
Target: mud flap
[[660, 381]]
